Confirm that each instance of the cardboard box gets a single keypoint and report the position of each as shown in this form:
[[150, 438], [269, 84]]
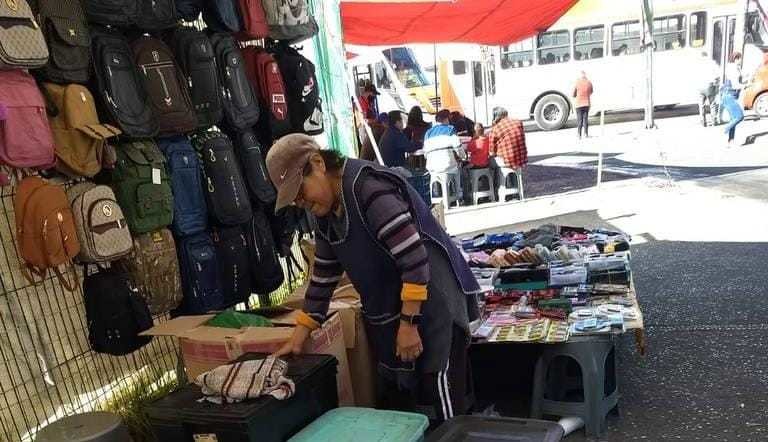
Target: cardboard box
[[204, 348]]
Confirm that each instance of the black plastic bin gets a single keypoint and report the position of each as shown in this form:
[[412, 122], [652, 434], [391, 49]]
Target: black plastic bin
[[179, 416], [495, 429]]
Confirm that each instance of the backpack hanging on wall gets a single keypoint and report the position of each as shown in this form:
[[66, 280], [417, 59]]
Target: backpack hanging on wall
[[254, 20], [304, 102], [153, 268], [289, 20], [241, 108], [155, 15], [189, 210], [66, 32], [114, 312], [45, 231], [78, 136], [222, 15], [22, 45], [112, 12], [189, 10], [226, 194], [142, 187], [264, 74], [234, 264], [166, 86], [255, 171], [119, 85], [25, 134], [101, 226], [199, 275], [266, 271], [197, 60]]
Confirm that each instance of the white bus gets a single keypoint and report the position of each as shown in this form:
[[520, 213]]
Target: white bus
[[534, 78]]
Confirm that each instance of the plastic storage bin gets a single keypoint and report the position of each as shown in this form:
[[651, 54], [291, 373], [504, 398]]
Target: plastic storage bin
[[491, 429], [179, 417], [365, 424], [94, 426]]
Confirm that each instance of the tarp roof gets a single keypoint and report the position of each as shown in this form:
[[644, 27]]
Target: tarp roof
[[490, 22]]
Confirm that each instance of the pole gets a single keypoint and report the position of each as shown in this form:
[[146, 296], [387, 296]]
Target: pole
[[601, 146], [437, 91], [647, 11]]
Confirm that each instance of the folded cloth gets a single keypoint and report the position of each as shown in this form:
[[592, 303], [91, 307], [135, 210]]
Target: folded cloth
[[246, 380]]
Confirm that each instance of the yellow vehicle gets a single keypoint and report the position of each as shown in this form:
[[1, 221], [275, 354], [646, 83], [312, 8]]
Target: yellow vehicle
[[410, 73]]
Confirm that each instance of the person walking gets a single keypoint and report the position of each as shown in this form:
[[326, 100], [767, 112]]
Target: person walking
[[416, 289], [582, 93], [729, 94], [394, 144]]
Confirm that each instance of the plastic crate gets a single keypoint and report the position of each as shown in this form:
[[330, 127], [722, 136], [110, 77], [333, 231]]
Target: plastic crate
[[365, 424], [492, 429], [419, 180], [179, 417]]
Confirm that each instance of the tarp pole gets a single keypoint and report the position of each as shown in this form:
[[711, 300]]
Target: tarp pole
[[368, 130]]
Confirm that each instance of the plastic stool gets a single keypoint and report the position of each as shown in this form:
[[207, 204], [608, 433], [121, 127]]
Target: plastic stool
[[96, 426], [504, 191], [445, 187], [475, 179], [591, 354]]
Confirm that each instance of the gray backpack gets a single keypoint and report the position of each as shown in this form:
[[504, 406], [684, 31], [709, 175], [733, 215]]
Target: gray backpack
[[22, 45], [289, 20], [100, 224]]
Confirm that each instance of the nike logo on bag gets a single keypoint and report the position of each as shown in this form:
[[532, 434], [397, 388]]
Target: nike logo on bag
[[282, 177]]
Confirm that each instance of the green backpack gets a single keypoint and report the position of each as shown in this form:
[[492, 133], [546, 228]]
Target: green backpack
[[142, 186]]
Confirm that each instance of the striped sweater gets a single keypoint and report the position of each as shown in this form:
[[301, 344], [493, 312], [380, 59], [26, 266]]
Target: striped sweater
[[387, 214]]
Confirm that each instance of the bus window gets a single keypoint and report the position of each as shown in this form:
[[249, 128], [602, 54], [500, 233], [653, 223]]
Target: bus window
[[731, 35], [698, 29], [588, 42], [669, 33], [491, 78], [382, 79], [756, 32], [554, 47], [717, 41], [477, 78], [459, 67], [625, 38], [408, 70], [518, 55]]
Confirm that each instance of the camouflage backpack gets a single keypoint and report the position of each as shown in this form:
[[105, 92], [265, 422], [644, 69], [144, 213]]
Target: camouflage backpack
[[154, 270]]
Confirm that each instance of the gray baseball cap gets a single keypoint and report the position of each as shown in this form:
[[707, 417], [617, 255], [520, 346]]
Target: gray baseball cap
[[285, 163]]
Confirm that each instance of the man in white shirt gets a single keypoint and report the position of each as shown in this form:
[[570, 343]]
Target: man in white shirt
[[442, 148]]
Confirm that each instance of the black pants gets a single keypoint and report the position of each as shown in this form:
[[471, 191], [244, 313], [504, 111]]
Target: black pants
[[446, 391], [582, 118]]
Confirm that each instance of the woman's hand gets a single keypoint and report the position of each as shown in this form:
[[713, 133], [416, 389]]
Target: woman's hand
[[295, 344], [408, 342]]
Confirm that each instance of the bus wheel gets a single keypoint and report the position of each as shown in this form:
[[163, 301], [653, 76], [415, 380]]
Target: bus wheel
[[551, 112], [761, 105]]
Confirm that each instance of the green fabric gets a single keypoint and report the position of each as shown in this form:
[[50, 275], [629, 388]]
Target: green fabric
[[234, 319], [332, 78]]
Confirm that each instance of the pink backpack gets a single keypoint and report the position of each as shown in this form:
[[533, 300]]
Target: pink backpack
[[25, 135]]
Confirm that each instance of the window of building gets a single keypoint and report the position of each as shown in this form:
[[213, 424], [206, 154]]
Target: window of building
[[625, 38], [459, 67], [477, 78], [554, 47], [518, 55], [698, 29], [588, 43], [669, 33]]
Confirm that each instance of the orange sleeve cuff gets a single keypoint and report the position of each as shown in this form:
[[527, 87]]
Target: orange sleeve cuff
[[413, 292], [307, 321]]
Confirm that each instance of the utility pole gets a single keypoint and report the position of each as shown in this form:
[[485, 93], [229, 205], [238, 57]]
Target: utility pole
[[648, 46]]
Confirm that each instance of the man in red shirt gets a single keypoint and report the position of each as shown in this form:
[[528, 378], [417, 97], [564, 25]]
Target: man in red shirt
[[507, 140]]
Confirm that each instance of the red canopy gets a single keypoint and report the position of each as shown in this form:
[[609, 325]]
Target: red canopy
[[490, 22]]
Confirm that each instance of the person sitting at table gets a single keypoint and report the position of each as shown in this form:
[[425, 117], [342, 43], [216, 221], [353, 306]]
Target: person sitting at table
[[377, 129], [394, 144], [478, 148], [462, 124], [416, 127], [441, 146]]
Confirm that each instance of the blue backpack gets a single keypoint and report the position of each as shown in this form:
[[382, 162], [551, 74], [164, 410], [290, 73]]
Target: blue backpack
[[199, 275], [189, 210]]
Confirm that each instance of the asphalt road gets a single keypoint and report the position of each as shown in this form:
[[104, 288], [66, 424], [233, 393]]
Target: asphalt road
[[625, 117]]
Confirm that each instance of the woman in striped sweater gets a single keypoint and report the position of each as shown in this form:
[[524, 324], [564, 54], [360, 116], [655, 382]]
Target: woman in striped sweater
[[416, 289]]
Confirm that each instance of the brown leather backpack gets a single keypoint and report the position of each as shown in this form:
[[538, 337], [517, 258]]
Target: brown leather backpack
[[45, 231], [77, 133]]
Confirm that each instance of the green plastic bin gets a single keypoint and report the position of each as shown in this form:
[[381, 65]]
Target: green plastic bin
[[352, 424]]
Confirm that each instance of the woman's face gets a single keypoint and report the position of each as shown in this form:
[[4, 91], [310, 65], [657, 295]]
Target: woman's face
[[317, 193]]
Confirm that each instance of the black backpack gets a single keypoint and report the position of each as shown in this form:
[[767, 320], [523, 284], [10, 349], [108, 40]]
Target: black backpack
[[119, 85], [112, 12], [155, 15], [225, 191], [199, 270], [166, 86], [302, 94], [234, 264], [222, 16], [115, 312], [241, 108], [189, 10], [266, 271], [251, 157], [66, 33], [196, 58]]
